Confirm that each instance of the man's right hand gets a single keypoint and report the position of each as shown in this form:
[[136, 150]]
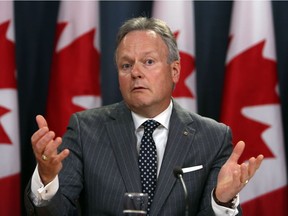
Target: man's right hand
[[45, 144]]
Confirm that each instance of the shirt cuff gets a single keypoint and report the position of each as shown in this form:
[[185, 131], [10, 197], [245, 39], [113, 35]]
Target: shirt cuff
[[40, 192], [224, 211]]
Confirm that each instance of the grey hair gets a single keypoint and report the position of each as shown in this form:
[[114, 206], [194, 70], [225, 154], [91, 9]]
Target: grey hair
[[156, 25]]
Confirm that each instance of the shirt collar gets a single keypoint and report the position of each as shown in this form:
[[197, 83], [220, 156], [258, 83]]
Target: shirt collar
[[163, 118]]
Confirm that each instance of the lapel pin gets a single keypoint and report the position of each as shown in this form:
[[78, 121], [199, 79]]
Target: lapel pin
[[185, 133]]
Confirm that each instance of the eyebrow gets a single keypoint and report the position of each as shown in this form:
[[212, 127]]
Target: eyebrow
[[126, 57]]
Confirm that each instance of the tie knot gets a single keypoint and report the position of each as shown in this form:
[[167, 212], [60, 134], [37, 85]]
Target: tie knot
[[150, 125]]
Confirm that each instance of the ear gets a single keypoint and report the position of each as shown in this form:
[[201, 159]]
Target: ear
[[175, 71]]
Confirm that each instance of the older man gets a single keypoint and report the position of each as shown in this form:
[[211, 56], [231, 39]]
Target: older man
[[105, 148]]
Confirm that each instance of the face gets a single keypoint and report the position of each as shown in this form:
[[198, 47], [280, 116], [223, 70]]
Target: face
[[146, 79]]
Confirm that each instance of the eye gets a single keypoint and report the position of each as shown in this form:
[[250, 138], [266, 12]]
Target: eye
[[149, 62], [126, 66]]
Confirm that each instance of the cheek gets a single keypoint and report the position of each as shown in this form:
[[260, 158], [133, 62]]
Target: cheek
[[170, 78], [123, 82], [163, 83]]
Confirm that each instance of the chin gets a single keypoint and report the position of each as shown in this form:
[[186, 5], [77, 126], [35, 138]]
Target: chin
[[137, 103]]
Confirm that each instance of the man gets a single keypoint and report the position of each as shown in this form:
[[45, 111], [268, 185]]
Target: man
[[103, 147]]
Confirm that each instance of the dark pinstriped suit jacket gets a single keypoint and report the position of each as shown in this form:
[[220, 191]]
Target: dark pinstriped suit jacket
[[103, 164]]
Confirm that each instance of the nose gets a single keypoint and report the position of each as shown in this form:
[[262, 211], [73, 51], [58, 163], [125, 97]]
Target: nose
[[136, 71]]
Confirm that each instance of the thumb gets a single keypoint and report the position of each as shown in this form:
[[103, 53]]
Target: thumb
[[41, 121], [237, 152]]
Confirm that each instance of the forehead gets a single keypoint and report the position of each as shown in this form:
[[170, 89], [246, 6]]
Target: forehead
[[144, 36], [142, 40]]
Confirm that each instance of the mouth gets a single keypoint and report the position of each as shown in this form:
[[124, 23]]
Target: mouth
[[138, 88]]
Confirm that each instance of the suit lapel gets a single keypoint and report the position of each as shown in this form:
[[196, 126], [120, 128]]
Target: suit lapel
[[123, 140], [180, 137], [122, 134]]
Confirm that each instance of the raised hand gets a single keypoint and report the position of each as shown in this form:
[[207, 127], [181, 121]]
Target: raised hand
[[45, 144], [233, 176]]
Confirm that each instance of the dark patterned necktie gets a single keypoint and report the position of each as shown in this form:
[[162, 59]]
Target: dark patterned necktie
[[148, 161]]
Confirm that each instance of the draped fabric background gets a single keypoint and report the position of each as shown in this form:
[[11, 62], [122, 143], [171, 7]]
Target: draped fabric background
[[35, 38]]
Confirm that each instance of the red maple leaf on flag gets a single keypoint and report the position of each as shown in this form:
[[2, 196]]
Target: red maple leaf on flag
[[250, 81], [7, 72], [4, 139], [187, 68], [7, 59], [75, 72]]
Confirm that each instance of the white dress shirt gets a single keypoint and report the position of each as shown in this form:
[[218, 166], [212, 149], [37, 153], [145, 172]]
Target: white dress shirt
[[160, 134], [41, 194]]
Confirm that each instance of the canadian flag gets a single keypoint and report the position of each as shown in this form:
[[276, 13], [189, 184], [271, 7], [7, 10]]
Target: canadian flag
[[9, 121], [179, 15], [75, 77], [251, 105]]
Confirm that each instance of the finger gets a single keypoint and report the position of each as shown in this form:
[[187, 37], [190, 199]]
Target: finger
[[252, 167], [41, 121], [51, 148], [254, 164], [244, 173], [61, 156], [259, 160], [237, 152], [38, 134], [40, 146]]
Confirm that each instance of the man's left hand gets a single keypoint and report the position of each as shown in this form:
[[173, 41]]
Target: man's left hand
[[233, 177]]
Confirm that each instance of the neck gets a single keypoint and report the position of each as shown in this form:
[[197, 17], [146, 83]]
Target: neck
[[149, 111]]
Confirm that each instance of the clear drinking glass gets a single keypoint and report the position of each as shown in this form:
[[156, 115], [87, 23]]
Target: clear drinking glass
[[135, 204]]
